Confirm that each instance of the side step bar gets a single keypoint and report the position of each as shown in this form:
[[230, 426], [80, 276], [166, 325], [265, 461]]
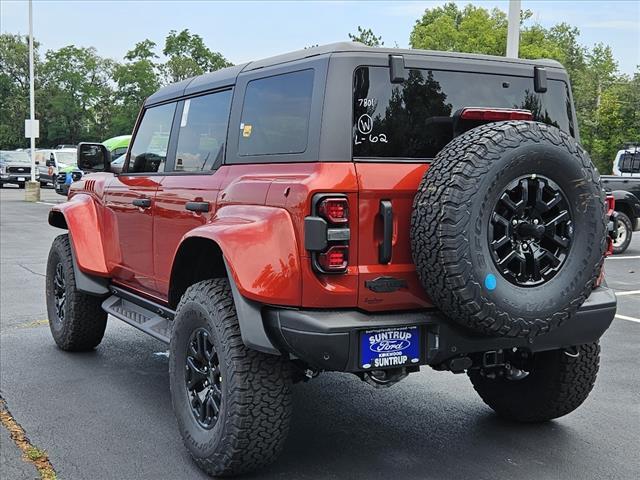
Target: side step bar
[[141, 313]]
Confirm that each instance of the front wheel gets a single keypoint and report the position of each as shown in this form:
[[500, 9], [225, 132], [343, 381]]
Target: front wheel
[[623, 235], [76, 319], [553, 384], [232, 404]]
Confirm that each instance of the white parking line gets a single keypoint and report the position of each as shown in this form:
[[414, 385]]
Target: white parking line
[[53, 204], [620, 293], [631, 319], [623, 257]]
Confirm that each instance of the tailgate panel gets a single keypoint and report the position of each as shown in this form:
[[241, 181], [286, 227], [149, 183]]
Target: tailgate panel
[[396, 182]]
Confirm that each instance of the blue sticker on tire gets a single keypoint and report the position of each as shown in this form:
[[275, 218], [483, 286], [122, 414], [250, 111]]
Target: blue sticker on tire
[[490, 281], [389, 347]]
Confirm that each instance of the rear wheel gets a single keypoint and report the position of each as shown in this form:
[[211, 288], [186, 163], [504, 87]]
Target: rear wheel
[[553, 384], [232, 404], [76, 319], [623, 235]]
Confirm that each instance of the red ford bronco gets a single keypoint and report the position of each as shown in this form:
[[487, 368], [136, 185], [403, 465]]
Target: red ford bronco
[[348, 209]]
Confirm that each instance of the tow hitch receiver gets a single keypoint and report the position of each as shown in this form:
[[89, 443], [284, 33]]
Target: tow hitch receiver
[[494, 358]]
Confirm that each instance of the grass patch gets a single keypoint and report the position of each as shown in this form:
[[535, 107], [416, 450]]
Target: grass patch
[[31, 454]]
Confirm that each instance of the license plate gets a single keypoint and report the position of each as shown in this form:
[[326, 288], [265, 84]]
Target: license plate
[[21, 179], [389, 347]]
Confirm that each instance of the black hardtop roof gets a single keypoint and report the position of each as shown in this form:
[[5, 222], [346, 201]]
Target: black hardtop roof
[[227, 76]]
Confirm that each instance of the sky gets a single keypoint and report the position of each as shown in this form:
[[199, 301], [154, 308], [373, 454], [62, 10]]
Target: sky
[[250, 30]]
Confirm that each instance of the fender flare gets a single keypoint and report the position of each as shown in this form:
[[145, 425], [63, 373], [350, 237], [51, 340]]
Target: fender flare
[[629, 199], [79, 216], [260, 248], [261, 259]]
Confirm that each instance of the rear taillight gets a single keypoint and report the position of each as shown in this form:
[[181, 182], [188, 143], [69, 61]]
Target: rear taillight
[[334, 210], [327, 233], [335, 259], [610, 202], [495, 114], [610, 205]]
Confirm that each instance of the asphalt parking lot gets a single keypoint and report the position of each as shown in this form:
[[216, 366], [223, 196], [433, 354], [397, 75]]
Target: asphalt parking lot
[[107, 414]]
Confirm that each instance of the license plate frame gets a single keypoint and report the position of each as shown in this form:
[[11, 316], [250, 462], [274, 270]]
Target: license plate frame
[[22, 179], [391, 347]]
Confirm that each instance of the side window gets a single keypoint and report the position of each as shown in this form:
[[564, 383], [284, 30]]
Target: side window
[[203, 132], [149, 148], [275, 114]]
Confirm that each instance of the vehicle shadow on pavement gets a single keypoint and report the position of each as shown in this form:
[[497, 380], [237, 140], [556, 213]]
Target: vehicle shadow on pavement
[[343, 428]]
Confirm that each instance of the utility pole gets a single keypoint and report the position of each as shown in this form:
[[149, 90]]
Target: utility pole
[[513, 29], [32, 191]]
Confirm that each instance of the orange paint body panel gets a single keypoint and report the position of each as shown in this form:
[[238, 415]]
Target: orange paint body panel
[[83, 219], [259, 247], [256, 215], [397, 183]]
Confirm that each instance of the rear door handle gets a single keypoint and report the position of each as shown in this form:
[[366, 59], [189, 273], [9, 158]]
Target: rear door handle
[[198, 206], [384, 249], [142, 202]]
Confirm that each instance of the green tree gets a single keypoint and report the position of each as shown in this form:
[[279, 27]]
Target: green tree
[[188, 56], [367, 37], [76, 95], [14, 88], [472, 29], [606, 103], [136, 79]]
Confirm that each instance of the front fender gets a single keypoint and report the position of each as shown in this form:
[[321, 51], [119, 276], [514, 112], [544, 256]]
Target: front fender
[[79, 215], [260, 249], [629, 199]]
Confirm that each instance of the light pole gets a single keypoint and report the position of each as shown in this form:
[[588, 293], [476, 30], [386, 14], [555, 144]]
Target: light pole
[[32, 191], [513, 29]]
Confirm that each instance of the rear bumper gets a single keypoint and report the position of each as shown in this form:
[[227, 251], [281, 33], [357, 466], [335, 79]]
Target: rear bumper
[[329, 339]]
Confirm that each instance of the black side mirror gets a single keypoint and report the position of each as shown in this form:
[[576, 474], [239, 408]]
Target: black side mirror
[[50, 163], [93, 157]]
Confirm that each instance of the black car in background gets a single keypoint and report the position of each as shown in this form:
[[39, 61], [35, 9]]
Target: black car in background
[[625, 188]]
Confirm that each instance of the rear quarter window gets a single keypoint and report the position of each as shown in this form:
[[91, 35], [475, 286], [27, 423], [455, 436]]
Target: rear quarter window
[[275, 114], [414, 120]]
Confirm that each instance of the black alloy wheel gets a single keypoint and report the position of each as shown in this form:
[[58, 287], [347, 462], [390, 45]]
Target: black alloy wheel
[[530, 231], [59, 292], [203, 379]]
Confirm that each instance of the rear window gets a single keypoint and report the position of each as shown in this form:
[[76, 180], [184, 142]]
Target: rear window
[[275, 114], [414, 119], [630, 162]]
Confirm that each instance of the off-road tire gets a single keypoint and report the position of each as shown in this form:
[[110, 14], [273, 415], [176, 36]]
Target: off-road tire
[[450, 221], [622, 247], [559, 383], [84, 319], [255, 411]]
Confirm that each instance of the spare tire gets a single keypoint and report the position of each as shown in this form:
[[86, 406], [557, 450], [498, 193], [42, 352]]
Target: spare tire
[[508, 229]]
